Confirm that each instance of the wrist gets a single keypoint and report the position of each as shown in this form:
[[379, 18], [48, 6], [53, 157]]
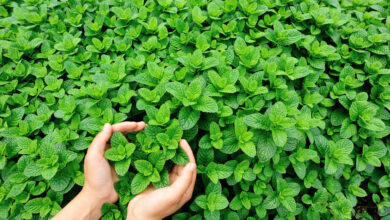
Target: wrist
[[84, 206], [93, 203]]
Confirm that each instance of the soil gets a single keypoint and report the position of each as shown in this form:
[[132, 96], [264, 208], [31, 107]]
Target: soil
[[365, 205]]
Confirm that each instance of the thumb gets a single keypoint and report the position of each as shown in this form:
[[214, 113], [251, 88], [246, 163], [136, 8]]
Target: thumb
[[180, 186], [99, 142]]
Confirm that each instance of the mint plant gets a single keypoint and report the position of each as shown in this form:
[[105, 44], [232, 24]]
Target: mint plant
[[120, 152], [285, 104]]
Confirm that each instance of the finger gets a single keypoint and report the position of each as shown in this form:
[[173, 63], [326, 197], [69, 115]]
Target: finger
[[175, 172], [188, 194], [128, 126], [98, 144], [172, 175], [180, 186], [186, 147]]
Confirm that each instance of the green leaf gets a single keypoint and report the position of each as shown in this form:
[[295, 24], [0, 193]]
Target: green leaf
[[289, 203], [223, 171], [201, 201], [115, 153], [180, 157], [266, 148], [59, 182], [374, 124], [91, 124], [257, 120], [163, 114], [49, 172], [330, 166], [249, 149], [201, 43], [206, 104], [278, 112], [176, 89], [34, 205], [288, 37], [307, 122], [240, 46], [139, 184], [16, 189], [357, 191], [32, 170], [235, 204], [117, 139], [271, 202], [221, 202], [279, 137], [188, 118], [174, 131], [345, 145], [144, 167], [122, 167], [197, 15], [194, 91]]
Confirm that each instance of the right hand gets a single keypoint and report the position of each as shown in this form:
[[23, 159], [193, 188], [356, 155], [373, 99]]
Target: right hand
[[153, 204]]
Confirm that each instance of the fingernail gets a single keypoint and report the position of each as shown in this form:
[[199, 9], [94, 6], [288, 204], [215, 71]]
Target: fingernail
[[106, 126], [191, 167]]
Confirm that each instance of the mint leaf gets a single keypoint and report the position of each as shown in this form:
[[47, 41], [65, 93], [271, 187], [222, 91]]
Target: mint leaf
[[266, 148], [206, 104], [139, 183], [249, 149], [176, 89], [221, 202], [188, 118], [115, 153], [122, 167], [144, 167], [117, 139], [265, 93], [279, 137]]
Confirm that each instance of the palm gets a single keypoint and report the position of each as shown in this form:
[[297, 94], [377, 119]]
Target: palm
[[101, 177], [99, 174], [165, 201], [153, 197]]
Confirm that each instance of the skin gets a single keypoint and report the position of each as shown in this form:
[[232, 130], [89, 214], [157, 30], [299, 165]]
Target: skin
[[100, 177], [155, 203]]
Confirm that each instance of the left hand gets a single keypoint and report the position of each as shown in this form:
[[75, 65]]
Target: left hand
[[100, 176]]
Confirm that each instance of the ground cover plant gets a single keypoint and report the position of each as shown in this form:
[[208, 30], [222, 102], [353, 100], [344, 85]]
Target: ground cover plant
[[284, 102]]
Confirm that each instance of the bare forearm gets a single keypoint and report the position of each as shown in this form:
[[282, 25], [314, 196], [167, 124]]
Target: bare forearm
[[83, 206]]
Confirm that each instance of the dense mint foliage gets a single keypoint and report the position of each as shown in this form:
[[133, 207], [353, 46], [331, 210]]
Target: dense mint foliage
[[286, 103]]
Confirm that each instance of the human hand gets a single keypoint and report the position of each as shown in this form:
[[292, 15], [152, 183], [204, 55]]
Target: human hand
[[99, 176], [153, 204]]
